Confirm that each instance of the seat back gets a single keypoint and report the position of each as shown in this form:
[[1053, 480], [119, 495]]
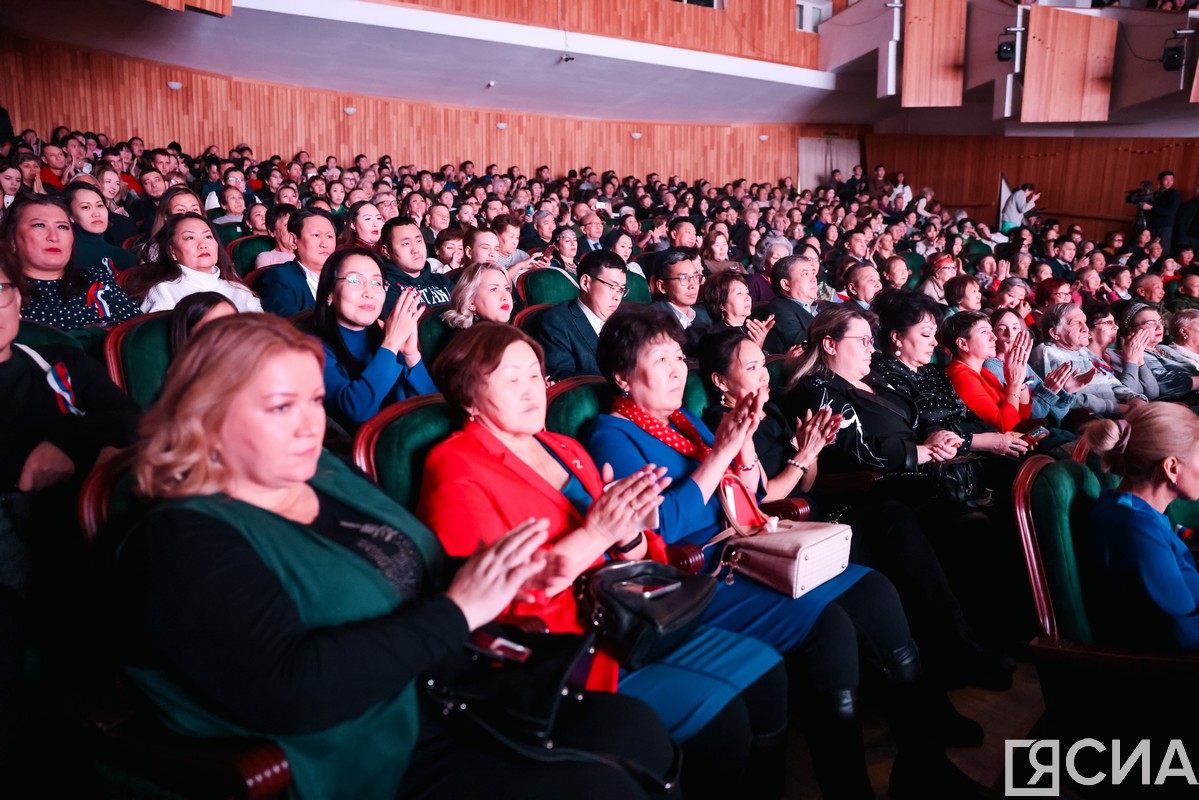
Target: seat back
[[696, 397], [245, 251], [107, 500], [32, 334], [434, 332], [392, 446], [1053, 501], [551, 286], [572, 404], [137, 353], [638, 289], [529, 319], [776, 365]]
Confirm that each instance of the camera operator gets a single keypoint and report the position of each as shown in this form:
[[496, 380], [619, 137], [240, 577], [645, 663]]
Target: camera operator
[[1161, 210], [1020, 202]]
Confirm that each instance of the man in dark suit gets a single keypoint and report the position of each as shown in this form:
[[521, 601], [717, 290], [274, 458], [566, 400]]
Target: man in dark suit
[[675, 282], [290, 288], [570, 330], [592, 230], [794, 305]]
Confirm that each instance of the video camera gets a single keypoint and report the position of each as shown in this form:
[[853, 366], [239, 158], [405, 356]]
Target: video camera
[[1142, 194]]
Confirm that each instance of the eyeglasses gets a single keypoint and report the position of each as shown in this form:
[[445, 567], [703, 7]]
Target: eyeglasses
[[8, 291], [1150, 323], [616, 287], [696, 278], [867, 340], [365, 283]]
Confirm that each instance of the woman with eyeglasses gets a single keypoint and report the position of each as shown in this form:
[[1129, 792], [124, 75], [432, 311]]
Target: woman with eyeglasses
[[369, 363], [1141, 334], [565, 246], [938, 272]]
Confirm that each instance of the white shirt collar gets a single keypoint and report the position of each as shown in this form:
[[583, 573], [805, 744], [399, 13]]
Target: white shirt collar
[[591, 316], [311, 278]]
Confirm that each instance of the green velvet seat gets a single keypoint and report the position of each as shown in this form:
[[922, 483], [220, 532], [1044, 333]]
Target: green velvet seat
[[696, 397], [529, 319], [434, 333], [638, 289], [231, 232], [392, 446], [246, 250], [546, 286], [138, 353], [914, 260], [32, 334], [572, 404]]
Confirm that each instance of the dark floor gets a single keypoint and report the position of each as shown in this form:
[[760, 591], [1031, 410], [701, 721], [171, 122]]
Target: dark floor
[[1003, 715]]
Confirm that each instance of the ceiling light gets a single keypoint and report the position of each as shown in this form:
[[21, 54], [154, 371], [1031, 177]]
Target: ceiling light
[[174, 85], [350, 110], [763, 138], [636, 135], [501, 125]]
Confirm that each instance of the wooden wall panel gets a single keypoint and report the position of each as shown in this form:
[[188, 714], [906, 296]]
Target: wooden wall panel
[[1082, 181], [934, 53], [758, 29], [124, 96], [1068, 69], [220, 8]]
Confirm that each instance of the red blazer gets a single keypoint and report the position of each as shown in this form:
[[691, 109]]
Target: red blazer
[[983, 394], [475, 489]]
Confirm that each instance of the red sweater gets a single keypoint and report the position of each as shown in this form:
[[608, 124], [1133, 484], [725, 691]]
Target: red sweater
[[983, 394]]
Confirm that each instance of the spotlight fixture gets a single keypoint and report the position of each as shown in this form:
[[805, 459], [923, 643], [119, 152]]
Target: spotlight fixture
[[174, 85], [1006, 50], [635, 135], [501, 125], [350, 110], [762, 137]]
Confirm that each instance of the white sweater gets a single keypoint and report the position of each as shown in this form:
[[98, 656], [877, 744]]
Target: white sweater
[[164, 296]]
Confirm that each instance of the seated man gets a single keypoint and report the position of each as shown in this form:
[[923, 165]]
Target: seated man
[[793, 279], [862, 283], [570, 330], [1188, 294], [290, 288], [277, 217], [1064, 327], [1148, 288], [676, 280], [406, 263]]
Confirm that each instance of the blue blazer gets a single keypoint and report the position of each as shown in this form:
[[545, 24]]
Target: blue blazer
[[569, 342], [284, 291]]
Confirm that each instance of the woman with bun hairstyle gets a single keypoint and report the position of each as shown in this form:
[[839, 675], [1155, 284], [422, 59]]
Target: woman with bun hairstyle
[[1145, 588]]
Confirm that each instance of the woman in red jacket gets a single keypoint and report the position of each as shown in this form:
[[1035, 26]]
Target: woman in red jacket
[[969, 337], [722, 695]]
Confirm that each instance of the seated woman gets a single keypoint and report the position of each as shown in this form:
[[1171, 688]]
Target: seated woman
[[1141, 333], [769, 251], [564, 246], [620, 242], [369, 363], [1184, 337], [37, 232], [178, 199], [1049, 398], [256, 220], [114, 191], [715, 254], [194, 312], [284, 250], [448, 250], [89, 215], [272, 592], [640, 352], [937, 272], [190, 259], [364, 225], [504, 466], [726, 297], [483, 293], [1049, 292], [1146, 588]]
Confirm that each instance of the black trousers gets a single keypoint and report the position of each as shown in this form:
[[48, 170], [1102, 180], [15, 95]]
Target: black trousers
[[455, 761]]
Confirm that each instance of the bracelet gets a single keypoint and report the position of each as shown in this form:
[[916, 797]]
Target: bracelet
[[797, 465], [750, 468], [633, 544]]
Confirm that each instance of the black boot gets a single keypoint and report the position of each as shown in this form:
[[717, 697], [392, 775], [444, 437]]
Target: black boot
[[834, 734], [916, 714]]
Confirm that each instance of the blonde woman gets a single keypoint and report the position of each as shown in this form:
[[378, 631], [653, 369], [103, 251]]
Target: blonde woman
[[483, 293]]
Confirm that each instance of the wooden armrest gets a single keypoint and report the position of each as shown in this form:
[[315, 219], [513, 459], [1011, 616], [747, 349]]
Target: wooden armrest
[[687, 557], [848, 481], [792, 508], [1072, 653]]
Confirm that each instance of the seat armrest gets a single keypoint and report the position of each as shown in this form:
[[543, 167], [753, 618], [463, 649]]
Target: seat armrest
[[793, 508]]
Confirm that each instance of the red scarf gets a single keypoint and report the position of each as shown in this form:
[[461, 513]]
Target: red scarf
[[686, 440]]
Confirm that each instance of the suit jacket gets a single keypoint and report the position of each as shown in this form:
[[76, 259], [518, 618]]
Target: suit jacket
[[699, 326], [475, 489], [569, 342], [284, 290], [791, 324], [585, 246]]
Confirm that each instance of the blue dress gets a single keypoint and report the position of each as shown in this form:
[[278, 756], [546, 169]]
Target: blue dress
[[689, 687], [385, 379], [1144, 587], [745, 606]]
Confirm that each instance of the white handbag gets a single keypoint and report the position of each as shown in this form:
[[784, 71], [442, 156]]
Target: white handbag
[[789, 557]]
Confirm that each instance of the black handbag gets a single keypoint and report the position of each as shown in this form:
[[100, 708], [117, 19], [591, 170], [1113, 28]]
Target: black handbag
[[641, 610], [959, 482]]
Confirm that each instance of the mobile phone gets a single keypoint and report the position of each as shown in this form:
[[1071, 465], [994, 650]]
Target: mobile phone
[[1035, 435], [499, 647], [648, 587]]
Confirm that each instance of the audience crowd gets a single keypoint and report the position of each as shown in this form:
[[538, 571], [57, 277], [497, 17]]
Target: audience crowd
[[856, 328]]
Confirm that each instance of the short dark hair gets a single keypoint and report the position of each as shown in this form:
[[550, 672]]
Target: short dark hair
[[474, 354], [955, 288], [502, 222], [715, 291], [900, 311], [624, 335], [596, 261], [295, 225], [188, 312], [716, 352], [959, 326], [278, 210]]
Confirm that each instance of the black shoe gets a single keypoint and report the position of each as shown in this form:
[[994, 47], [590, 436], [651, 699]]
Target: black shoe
[[932, 775]]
